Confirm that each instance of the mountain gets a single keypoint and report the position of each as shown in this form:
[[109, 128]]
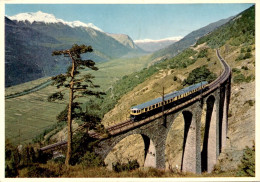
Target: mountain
[[124, 39], [155, 45], [187, 41], [31, 37]]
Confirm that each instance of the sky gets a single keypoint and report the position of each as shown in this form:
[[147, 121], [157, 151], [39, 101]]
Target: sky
[[139, 21]]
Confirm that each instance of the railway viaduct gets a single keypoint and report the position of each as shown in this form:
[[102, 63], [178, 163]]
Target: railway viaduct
[[154, 130]]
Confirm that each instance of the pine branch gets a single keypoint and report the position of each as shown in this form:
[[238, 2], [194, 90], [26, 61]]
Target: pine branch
[[56, 96]]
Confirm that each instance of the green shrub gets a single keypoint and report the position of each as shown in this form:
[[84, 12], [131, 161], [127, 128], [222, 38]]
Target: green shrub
[[239, 78], [11, 169], [131, 165], [247, 55], [235, 70], [36, 171], [244, 68], [12, 159], [175, 78], [203, 53], [250, 102], [247, 166], [250, 78], [240, 57], [90, 159], [199, 74], [59, 160]]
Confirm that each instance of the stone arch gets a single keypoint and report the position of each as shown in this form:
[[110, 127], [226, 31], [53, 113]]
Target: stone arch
[[130, 147], [210, 149], [124, 148]]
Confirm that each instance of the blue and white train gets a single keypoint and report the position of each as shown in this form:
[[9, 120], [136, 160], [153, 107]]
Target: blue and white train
[[154, 106]]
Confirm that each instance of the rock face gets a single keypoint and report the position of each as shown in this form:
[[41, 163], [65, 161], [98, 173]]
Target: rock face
[[241, 126], [124, 39]]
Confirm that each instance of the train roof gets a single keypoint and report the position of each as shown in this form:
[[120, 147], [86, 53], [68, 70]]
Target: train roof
[[169, 96]]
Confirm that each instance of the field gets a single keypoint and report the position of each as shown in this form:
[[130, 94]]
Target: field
[[110, 72], [29, 115]]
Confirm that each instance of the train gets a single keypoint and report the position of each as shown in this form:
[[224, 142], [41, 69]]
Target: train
[[170, 100]]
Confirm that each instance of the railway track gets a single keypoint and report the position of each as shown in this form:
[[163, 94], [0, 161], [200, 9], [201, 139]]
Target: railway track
[[128, 124]]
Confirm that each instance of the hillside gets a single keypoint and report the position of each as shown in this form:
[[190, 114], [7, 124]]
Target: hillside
[[240, 56], [186, 41]]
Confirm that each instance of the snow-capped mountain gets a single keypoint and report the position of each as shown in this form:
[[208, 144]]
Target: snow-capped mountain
[[154, 45], [30, 39], [49, 18]]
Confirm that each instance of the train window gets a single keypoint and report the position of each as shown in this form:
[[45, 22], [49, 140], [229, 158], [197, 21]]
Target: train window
[[145, 109]]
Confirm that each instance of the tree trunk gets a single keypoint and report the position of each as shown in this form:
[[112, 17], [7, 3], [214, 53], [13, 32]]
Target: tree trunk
[[69, 142]]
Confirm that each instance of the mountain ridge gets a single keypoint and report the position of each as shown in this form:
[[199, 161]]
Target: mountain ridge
[[40, 16], [187, 41], [29, 46]]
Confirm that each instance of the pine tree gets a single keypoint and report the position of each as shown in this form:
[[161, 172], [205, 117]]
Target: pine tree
[[78, 85], [247, 166]]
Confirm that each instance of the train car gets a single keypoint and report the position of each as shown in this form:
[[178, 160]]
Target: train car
[[155, 106]]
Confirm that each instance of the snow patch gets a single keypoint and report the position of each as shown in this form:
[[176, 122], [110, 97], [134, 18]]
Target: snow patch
[[161, 40], [50, 18]]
